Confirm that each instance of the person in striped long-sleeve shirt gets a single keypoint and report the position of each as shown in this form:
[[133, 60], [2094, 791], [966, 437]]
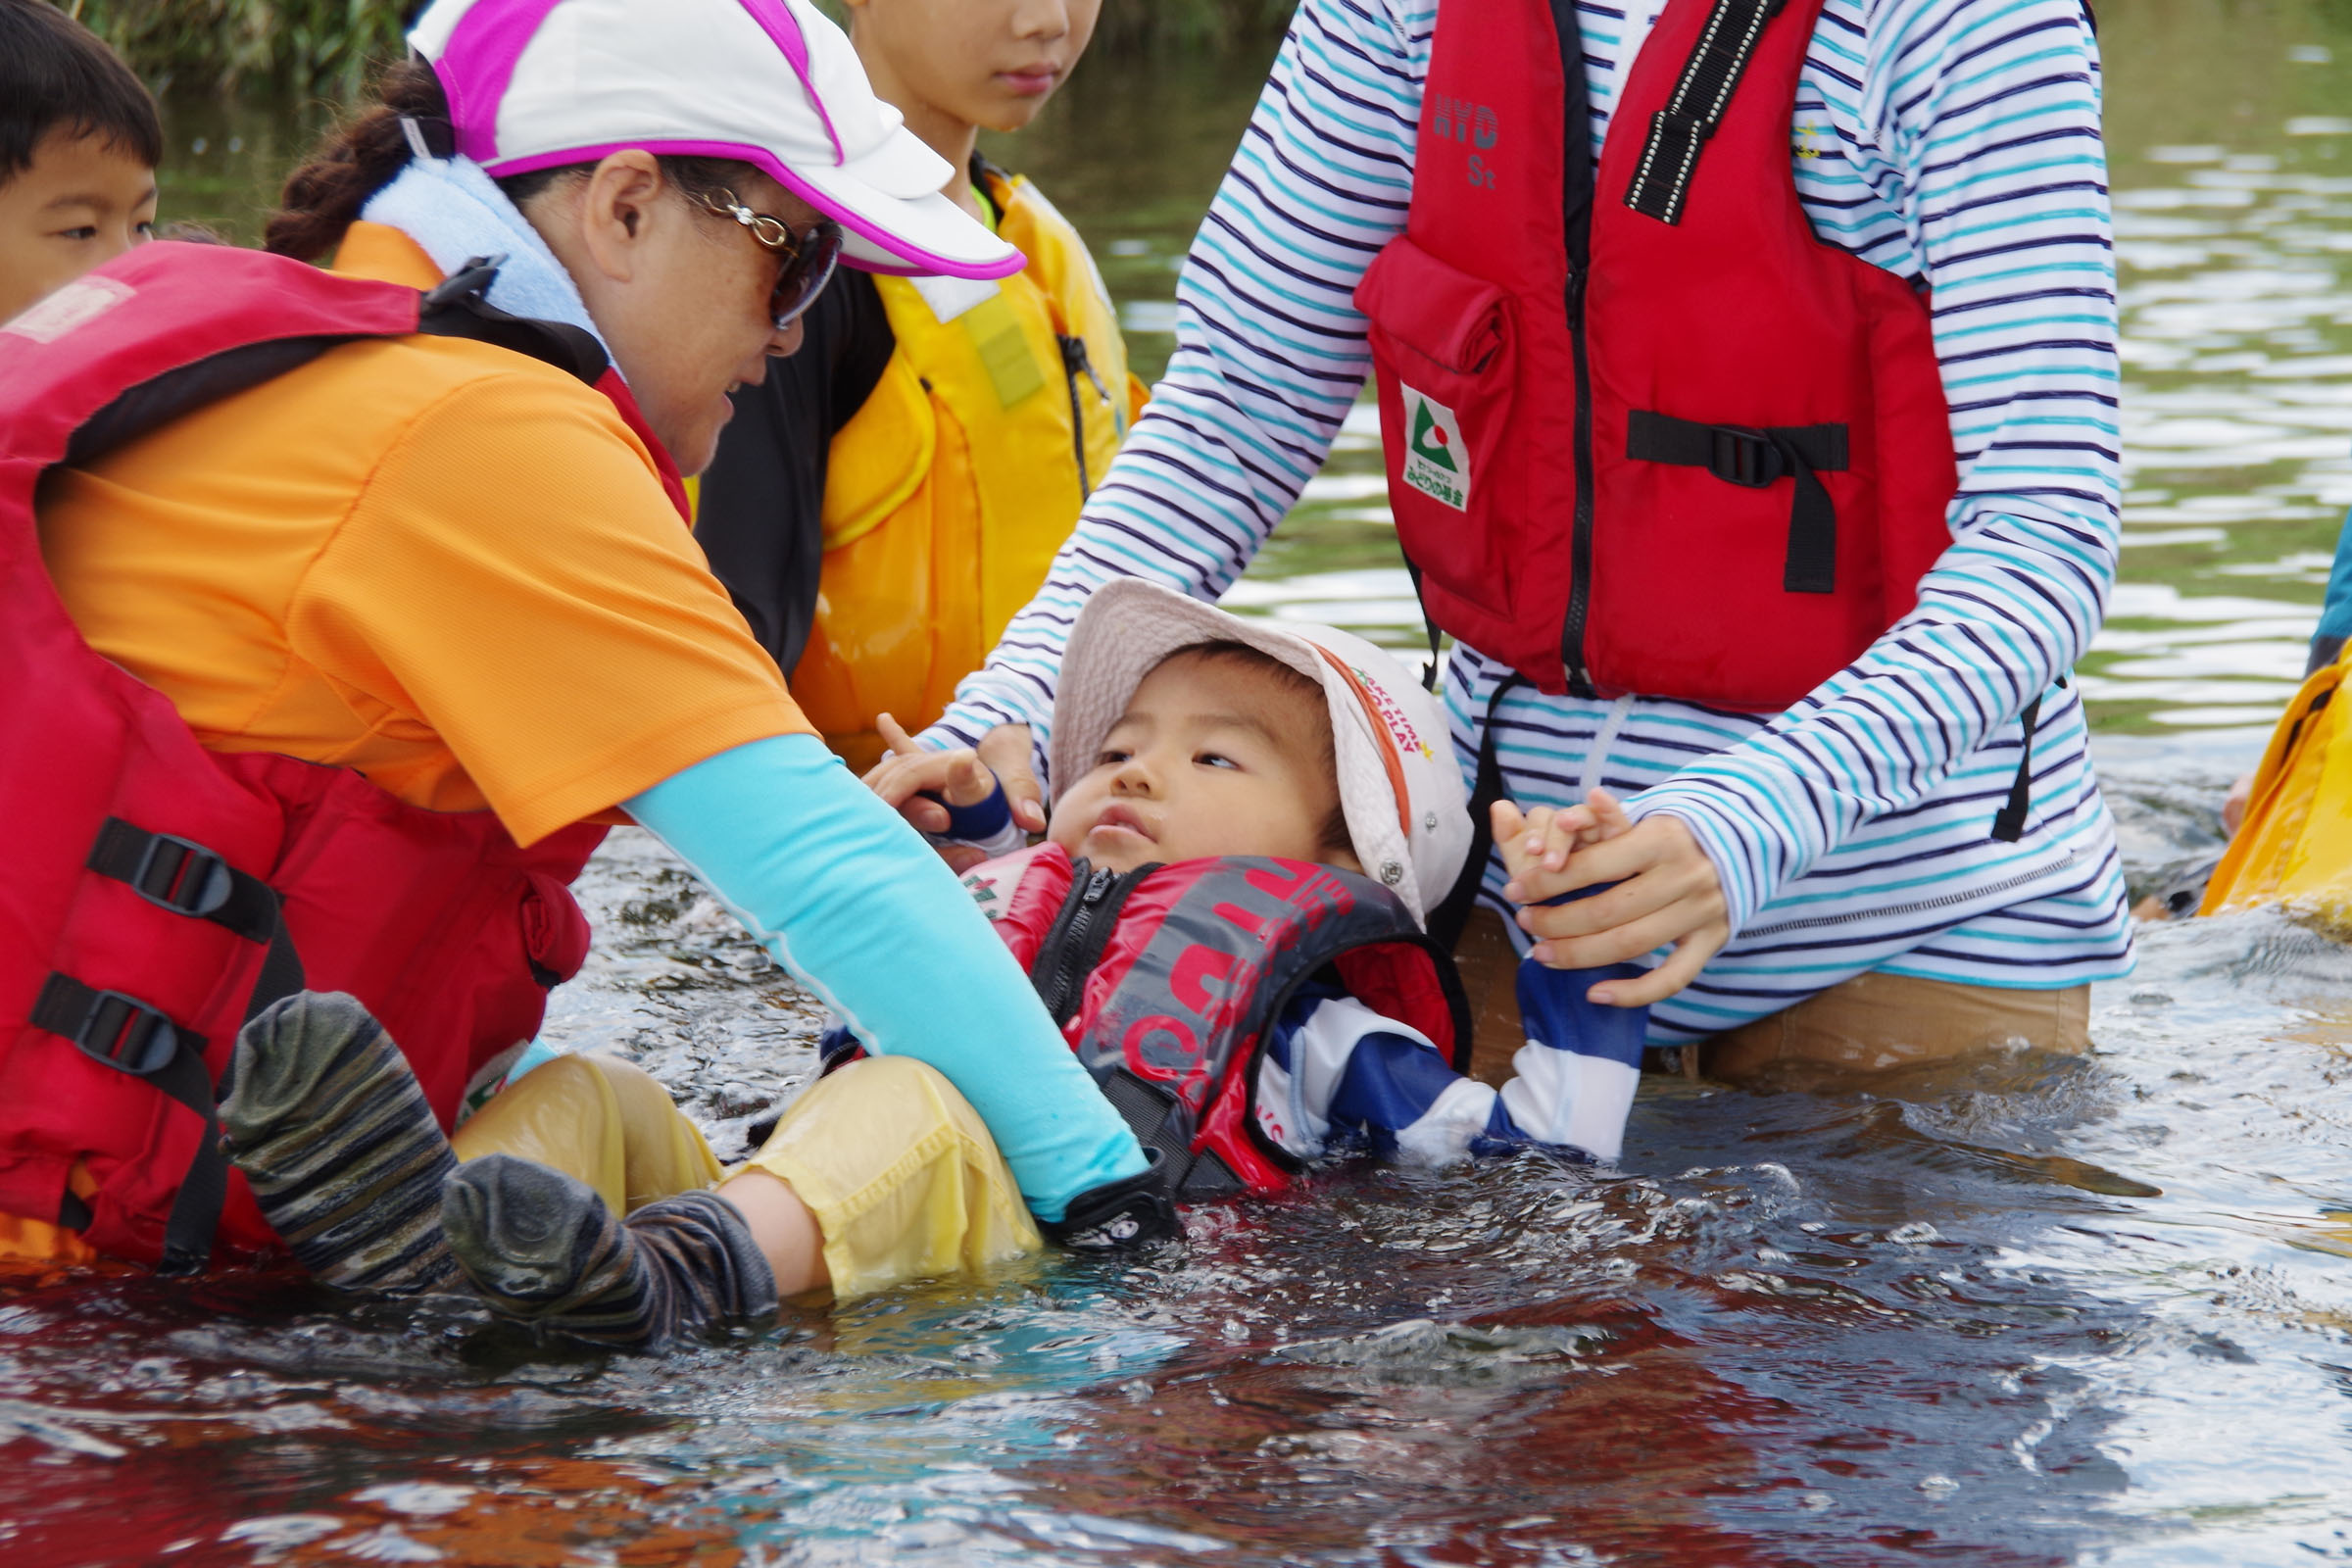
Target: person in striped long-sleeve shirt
[[1825, 875]]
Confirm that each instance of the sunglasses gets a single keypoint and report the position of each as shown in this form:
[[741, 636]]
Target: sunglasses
[[810, 257]]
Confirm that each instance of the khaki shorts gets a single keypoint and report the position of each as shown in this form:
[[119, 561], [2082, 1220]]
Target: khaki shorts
[[902, 1176], [1875, 1022], [896, 1165], [606, 1121]]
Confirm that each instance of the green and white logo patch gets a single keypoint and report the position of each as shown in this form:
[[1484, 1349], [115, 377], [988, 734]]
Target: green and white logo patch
[[1436, 459]]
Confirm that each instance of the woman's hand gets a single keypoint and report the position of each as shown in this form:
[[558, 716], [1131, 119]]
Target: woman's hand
[[1006, 751], [909, 774], [1667, 892], [910, 777]]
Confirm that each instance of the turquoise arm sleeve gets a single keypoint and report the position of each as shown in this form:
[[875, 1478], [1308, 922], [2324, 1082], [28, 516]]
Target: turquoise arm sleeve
[[863, 911]]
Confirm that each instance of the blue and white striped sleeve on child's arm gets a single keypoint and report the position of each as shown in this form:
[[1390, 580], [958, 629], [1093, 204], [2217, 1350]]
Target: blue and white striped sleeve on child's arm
[[1334, 1070]]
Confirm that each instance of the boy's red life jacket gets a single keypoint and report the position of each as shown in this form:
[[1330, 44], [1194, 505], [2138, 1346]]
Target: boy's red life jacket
[[1167, 979], [158, 895], [1644, 431]]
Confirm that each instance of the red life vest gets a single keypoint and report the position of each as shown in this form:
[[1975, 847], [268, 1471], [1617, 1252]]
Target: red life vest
[[1644, 431], [159, 894], [1167, 979]]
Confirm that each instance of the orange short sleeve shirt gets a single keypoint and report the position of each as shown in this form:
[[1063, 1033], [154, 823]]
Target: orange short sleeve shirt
[[447, 567]]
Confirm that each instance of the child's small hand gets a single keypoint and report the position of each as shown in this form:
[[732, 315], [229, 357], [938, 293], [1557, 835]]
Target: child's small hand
[[1526, 839], [1536, 845], [910, 776]]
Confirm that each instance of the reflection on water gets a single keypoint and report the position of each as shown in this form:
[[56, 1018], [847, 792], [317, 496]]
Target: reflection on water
[[2036, 1313]]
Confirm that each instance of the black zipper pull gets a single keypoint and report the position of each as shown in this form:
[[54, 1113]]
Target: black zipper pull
[[1073, 360], [1076, 360], [1097, 885]]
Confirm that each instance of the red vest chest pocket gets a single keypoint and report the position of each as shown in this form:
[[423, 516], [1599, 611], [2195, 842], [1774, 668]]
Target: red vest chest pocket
[[1443, 345]]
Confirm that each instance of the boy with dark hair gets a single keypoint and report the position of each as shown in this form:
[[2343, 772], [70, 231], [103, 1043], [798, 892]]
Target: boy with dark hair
[[79, 140]]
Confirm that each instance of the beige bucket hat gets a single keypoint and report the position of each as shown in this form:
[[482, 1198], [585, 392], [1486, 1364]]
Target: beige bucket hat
[[1399, 786]]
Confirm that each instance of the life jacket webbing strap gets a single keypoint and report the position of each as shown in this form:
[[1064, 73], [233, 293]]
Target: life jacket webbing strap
[[1156, 1117], [1429, 624], [153, 404], [1678, 131], [1755, 460], [186, 878], [121, 1032], [1447, 921], [135, 1037]]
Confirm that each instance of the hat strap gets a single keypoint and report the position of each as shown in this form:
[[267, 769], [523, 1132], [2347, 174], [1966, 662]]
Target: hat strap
[[1390, 757]]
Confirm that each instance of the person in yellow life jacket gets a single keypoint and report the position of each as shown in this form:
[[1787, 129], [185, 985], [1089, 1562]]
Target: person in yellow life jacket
[[881, 510], [2290, 820]]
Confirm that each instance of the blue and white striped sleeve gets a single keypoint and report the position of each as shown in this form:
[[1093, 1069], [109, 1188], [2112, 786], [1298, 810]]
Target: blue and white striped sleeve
[[1977, 122], [1269, 349], [1335, 1070]]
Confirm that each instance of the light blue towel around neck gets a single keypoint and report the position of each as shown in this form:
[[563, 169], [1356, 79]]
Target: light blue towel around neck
[[455, 211]]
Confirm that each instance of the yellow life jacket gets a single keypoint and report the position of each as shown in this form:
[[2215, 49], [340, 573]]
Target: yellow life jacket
[[949, 492], [2295, 844]]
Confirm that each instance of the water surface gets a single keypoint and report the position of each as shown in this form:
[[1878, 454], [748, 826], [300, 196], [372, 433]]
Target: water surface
[[2032, 1312]]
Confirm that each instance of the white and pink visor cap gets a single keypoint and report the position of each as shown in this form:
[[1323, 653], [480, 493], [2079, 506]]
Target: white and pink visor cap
[[541, 83]]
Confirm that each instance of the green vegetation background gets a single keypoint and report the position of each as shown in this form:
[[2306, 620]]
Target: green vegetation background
[[325, 46]]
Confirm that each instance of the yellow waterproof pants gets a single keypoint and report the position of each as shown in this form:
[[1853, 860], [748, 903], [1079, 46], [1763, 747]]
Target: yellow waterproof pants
[[2295, 844], [596, 1117], [902, 1176], [896, 1165]]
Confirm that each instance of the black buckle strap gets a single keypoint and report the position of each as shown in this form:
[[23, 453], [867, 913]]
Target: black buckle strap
[[1680, 132], [1755, 460], [139, 1038], [111, 1027], [1737, 455], [184, 877]]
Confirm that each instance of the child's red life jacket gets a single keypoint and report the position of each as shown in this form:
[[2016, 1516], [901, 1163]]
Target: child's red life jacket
[[157, 893], [1167, 979], [1644, 431]]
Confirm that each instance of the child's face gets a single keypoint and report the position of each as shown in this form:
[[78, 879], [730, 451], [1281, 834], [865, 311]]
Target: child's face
[[1213, 755], [989, 63], [81, 203]]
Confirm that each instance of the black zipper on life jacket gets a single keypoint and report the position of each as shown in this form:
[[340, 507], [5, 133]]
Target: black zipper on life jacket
[[1074, 362], [1074, 943], [1580, 539], [1576, 233]]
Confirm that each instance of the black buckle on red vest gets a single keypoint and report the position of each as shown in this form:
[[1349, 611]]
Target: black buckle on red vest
[[1749, 459], [125, 1033], [182, 877]]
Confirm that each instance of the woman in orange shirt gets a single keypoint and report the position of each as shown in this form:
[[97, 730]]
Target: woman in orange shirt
[[461, 572]]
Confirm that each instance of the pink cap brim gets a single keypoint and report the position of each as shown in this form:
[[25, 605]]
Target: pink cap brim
[[885, 247]]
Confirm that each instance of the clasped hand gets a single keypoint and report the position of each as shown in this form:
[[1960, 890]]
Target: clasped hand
[[913, 781], [1666, 893]]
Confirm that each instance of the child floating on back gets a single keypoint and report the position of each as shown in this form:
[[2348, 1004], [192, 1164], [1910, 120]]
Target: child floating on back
[[1251, 822], [79, 140], [1291, 1016]]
